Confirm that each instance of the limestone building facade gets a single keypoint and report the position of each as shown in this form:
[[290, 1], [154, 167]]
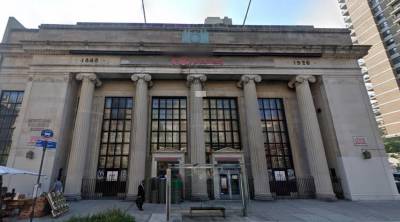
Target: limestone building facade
[[287, 102]]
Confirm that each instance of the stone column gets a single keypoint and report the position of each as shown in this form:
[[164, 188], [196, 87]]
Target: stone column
[[312, 137], [79, 146], [137, 159], [256, 138], [196, 131]]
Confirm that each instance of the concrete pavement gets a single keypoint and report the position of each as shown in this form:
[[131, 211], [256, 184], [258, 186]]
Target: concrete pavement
[[279, 210]]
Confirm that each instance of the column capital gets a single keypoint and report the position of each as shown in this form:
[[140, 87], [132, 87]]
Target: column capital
[[136, 77], [88, 76], [300, 79], [244, 79], [196, 77]]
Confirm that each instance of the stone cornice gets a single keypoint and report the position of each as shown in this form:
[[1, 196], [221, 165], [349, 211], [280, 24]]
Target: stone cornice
[[120, 48]]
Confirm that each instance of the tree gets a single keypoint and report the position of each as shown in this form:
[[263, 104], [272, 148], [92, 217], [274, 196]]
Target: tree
[[392, 145]]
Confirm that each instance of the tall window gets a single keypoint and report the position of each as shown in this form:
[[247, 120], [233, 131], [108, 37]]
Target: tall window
[[221, 123], [115, 139], [10, 105], [168, 124], [277, 148]]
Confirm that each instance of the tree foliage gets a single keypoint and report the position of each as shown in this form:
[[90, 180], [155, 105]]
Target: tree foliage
[[392, 145], [114, 215]]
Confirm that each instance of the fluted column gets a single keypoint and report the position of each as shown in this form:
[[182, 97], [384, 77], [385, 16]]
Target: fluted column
[[255, 137], [79, 146], [196, 131], [137, 159], [312, 137]]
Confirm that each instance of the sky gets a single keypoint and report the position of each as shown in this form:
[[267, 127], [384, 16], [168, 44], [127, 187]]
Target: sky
[[32, 13]]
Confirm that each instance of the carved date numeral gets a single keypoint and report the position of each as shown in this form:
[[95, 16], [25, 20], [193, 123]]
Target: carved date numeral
[[301, 62], [90, 60]]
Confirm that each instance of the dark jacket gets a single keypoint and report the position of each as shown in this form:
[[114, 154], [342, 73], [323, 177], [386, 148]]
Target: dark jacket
[[141, 191]]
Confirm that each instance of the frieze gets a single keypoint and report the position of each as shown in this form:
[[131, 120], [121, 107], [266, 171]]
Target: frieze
[[48, 78]]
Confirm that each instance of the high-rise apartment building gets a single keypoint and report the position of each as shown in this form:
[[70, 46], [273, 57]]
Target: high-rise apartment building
[[377, 23]]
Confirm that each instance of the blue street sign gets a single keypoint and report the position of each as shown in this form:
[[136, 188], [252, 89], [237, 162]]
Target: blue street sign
[[50, 144], [47, 133]]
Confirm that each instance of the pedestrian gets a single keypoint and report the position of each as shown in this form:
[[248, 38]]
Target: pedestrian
[[58, 186], [140, 196]]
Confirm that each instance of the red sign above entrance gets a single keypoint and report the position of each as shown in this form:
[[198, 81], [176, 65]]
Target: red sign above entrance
[[187, 61]]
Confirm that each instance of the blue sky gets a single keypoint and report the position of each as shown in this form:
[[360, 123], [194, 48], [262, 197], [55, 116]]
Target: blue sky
[[32, 13]]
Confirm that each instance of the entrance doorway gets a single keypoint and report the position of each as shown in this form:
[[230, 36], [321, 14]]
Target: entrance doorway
[[229, 182]]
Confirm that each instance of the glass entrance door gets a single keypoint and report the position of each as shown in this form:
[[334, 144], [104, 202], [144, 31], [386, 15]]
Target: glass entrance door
[[229, 181]]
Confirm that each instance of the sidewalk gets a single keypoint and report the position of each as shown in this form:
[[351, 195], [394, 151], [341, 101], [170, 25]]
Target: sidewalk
[[280, 210]]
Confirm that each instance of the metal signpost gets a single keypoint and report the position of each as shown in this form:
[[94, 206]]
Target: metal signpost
[[44, 142]]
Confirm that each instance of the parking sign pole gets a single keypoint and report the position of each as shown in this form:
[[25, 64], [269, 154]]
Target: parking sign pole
[[38, 180]]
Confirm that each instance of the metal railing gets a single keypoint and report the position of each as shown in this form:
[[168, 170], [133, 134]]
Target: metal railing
[[337, 187], [293, 189], [156, 187], [95, 189]]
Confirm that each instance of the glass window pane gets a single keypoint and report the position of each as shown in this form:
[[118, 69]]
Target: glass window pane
[[183, 103], [103, 149], [175, 137], [176, 103], [213, 103], [220, 113], [176, 113], [113, 125], [183, 137], [117, 162], [183, 114], [183, 125], [111, 149], [169, 113], [125, 149], [162, 103], [154, 126], [155, 103], [168, 137], [120, 125], [124, 162], [102, 162], [128, 125], [127, 137], [155, 114], [154, 137], [129, 103], [169, 103], [205, 103], [118, 149], [169, 125], [175, 125]]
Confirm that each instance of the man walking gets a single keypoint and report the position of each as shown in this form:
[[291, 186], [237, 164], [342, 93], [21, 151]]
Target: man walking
[[140, 196]]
